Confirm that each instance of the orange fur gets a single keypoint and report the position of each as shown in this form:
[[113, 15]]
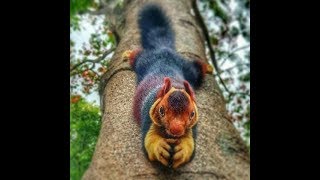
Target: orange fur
[[131, 55], [206, 68], [175, 124]]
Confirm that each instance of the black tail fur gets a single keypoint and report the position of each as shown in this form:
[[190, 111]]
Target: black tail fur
[[155, 28]]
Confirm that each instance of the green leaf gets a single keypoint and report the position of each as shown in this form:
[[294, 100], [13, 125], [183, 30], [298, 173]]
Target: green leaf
[[245, 77], [78, 6], [219, 11], [234, 32], [85, 123]]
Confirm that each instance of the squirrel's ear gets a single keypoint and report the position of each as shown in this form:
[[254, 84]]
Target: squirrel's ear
[[153, 113], [165, 88], [189, 90]]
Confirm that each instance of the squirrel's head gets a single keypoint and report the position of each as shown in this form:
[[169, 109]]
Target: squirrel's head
[[174, 109]]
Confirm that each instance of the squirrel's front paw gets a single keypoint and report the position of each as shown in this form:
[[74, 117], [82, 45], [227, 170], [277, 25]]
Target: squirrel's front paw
[[159, 150], [131, 55], [209, 69], [183, 152], [126, 54]]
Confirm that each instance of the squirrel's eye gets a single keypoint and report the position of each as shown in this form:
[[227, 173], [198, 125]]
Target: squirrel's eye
[[192, 114], [161, 111]]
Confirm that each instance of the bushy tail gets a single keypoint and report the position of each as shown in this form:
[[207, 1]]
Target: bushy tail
[[155, 28]]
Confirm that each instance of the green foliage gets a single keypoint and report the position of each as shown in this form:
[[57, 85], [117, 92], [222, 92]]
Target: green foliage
[[79, 6], [88, 62], [228, 24], [218, 10], [76, 7], [234, 32], [245, 77], [85, 124]]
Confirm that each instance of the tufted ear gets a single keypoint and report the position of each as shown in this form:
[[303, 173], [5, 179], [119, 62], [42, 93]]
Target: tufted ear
[[153, 113], [165, 88], [189, 90]]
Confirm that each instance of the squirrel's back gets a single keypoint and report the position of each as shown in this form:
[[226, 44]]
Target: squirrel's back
[[155, 28]]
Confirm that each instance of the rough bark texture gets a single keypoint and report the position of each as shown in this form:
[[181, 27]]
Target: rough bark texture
[[220, 152]]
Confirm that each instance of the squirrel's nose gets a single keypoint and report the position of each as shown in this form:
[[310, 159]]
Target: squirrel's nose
[[176, 128]]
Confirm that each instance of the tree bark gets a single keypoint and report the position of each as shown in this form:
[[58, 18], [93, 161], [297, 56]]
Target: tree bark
[[220, 152]]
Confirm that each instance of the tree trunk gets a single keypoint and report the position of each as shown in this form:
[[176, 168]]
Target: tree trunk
[[220, 152]]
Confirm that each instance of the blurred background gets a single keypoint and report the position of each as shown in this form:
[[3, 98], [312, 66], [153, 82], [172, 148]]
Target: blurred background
[[91, 47]]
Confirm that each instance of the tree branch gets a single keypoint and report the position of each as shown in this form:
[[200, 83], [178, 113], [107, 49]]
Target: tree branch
[[105, 54], [101, 11], [206, 35], [228, 69], [234, 51], [240, 93], [207, 39]]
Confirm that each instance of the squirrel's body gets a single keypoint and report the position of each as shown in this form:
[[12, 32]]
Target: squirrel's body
[[151, 74], [164, 102]]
